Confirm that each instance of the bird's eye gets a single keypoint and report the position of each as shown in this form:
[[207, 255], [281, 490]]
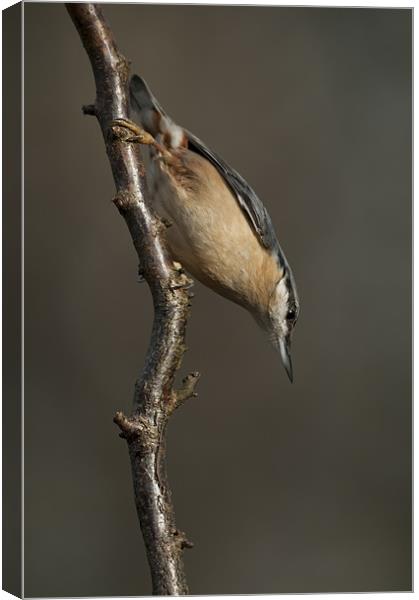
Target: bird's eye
[[291, 314]]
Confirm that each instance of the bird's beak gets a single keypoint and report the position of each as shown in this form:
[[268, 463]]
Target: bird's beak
[[284, 348]]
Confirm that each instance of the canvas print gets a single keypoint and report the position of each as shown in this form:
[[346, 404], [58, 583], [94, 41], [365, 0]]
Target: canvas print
[[207, 299]]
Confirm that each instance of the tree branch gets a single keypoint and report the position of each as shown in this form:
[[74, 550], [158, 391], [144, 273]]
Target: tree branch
[[154, 396]]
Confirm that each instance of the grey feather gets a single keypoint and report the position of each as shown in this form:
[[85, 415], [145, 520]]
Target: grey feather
[[249, 202], [141, 96]]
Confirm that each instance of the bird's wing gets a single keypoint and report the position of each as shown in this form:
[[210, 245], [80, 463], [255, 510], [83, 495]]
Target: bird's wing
[[249, 202], [142, 101]]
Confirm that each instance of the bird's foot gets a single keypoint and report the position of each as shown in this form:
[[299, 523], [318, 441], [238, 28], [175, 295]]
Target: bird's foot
[[130, 132]]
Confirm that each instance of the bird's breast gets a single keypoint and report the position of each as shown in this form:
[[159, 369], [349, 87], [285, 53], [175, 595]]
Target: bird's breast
[[209, 234]]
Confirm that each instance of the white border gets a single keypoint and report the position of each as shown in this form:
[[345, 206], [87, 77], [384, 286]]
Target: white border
[[292, 3]]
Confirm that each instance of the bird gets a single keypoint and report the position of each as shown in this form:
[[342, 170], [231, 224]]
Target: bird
[[220, 231]]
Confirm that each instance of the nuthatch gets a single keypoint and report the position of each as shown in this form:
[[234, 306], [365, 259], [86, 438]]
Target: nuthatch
[[221, 232]]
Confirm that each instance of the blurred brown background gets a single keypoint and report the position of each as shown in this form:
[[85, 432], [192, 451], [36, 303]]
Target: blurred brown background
[[283, 488]]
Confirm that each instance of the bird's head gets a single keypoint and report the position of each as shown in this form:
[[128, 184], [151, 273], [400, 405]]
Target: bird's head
[[283, 311]]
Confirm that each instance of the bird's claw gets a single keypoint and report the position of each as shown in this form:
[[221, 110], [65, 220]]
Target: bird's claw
[[130, 132]]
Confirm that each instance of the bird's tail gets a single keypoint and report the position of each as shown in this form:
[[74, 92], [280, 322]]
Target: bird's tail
[[146, 110], [141, 96]]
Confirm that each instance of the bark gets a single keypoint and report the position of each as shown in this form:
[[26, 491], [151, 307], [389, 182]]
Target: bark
[[154, 396]]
